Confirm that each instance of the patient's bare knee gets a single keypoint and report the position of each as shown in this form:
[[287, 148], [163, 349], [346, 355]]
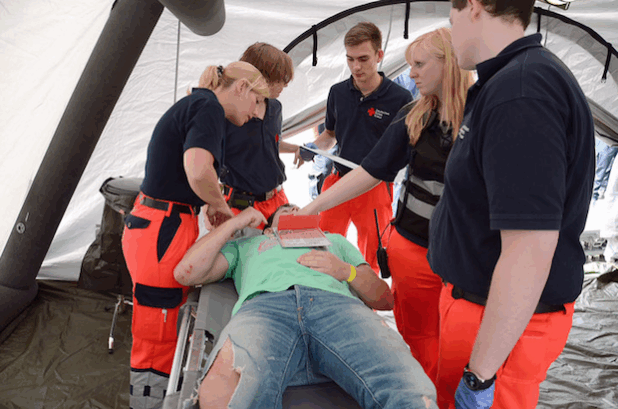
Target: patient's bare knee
[[221, 380]]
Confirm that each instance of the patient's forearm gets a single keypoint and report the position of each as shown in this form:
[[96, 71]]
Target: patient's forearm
[[371, 289], [202, 263]]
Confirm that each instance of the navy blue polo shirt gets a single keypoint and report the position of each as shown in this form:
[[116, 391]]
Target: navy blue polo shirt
[[524, 160], [195, 121], [252, 152], [392, 152], [358, 121]]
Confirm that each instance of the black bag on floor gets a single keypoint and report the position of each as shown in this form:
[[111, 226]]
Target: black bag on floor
[[103, 267]]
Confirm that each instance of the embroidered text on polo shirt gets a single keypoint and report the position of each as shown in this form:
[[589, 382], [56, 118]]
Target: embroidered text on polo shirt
[[462, 131], [377, 113]]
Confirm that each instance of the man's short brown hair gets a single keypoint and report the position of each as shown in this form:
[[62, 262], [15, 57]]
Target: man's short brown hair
[[364, 31], [511, 10], [274, 64]]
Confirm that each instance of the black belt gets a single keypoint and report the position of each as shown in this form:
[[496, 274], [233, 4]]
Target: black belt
[[541, 308], [255, 197], [164, 205]]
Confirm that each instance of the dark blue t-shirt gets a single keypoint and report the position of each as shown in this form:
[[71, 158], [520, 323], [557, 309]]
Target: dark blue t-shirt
[[252, 152], [358, 121], [196, 121], [524, 160]]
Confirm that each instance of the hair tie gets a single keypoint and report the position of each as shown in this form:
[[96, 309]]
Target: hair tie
[[220, 70]]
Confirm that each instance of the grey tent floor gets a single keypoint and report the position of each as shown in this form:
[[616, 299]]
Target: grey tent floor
[[56, 356], [586, 373]]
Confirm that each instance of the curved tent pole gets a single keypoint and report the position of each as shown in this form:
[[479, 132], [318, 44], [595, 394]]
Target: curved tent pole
[[538, 10], [354, 10], [115, 54]]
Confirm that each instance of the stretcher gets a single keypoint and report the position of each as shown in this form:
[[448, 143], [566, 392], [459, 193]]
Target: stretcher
[[201, 320]]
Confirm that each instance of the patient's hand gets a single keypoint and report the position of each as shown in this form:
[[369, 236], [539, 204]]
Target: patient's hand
[[327, 263]]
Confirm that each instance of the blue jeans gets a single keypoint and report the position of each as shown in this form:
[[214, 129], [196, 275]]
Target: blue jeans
[[605, 159], [301, 335]]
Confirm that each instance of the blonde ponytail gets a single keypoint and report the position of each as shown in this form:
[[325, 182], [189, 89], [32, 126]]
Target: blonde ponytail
[[210, 78], [217, 76]]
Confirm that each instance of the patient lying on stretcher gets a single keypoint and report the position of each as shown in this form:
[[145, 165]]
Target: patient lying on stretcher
[[297, 322]]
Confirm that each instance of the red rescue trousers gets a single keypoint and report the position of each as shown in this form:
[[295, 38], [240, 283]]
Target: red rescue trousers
[[267, 207], [154, 241], [360, 212], [417, 294], [518, 379]]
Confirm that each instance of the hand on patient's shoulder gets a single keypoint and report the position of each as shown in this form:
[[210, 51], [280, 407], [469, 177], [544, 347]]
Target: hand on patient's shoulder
[[216, 216], [327, 263]]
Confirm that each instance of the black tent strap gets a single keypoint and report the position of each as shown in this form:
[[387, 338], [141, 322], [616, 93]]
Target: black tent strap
[[538, 24], [315, 45], [406, 21], [607, 61]]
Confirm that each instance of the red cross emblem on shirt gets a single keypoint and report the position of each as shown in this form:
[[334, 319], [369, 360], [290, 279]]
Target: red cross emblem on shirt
[[371, 111]]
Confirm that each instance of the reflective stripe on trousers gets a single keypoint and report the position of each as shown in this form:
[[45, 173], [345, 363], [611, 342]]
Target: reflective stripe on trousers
[[147, 390]]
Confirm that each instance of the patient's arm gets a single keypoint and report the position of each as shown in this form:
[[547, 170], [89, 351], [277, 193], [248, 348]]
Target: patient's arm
[[372, 290], [203, 263]]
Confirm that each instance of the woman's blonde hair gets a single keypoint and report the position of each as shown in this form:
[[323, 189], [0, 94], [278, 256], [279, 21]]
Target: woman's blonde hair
[[455, 84], [214, 77]]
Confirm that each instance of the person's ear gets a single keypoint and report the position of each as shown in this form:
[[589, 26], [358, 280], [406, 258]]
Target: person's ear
[[241, 86], [475, 9], [380, 55]]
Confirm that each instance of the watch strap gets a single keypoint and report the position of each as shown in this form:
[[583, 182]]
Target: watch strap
[[475, 383]]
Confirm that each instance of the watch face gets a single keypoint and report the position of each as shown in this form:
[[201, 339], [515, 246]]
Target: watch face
[[471, 381]]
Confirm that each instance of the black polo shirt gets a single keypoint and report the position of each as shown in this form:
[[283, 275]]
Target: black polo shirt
[[252, 152], [358, 121], [196, 121], [524, 160]]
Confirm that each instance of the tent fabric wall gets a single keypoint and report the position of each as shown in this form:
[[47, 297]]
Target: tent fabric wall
[[46, 45]]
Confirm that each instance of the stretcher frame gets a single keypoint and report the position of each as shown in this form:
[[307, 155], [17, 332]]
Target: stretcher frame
[[202, 318]]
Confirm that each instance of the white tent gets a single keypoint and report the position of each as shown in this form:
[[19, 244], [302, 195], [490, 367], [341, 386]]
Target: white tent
[[45, 46]]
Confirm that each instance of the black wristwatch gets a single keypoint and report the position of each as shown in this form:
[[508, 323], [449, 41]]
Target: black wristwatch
[[475, 383]]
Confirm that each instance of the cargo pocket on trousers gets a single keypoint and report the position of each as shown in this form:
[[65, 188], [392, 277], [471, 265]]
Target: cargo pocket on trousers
[[157, 311], [135, 222]]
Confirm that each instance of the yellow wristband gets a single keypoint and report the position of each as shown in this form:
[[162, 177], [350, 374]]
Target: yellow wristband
[[352, 274]]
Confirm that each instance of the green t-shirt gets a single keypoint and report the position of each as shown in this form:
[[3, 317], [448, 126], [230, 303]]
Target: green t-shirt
[[259, 264]]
